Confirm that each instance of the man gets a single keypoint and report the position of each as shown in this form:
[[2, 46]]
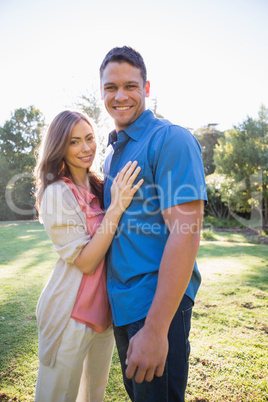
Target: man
[[152, 274]]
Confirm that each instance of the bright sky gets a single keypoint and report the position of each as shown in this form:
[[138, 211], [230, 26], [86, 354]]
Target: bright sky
[[207, 60]]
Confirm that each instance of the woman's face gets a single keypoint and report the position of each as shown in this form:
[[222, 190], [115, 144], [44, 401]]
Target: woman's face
[[81, 151]]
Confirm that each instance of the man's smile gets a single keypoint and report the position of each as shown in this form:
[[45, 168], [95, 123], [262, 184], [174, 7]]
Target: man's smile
[[122, 108]]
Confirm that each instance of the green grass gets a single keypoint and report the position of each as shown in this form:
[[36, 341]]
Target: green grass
[[229, 359], [229, 336], [26, 257]]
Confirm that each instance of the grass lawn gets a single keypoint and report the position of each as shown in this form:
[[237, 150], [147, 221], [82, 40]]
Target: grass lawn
[[229, 337]]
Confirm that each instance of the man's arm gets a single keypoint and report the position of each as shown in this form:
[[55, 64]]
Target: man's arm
[[149, 347]]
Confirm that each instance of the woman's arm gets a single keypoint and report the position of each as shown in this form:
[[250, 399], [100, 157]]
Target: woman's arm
[[122, 193]]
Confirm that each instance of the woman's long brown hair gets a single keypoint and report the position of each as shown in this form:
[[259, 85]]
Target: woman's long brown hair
[[51, 166]]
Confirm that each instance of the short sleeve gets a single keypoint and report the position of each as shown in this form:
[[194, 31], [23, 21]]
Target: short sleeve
[[178, 167], [64, 221]]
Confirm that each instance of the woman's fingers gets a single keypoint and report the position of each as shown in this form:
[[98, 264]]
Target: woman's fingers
[[131, 171], [130, 166], [131, 178], [128, 174], [123, 188], [136, 187]]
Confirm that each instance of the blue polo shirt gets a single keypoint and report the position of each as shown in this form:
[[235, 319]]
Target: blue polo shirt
[[172, 169]]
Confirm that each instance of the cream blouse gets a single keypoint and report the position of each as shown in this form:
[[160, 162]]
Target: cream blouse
[[65, 224]]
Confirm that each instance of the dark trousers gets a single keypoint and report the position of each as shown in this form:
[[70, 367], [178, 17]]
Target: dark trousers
[[171, 386]]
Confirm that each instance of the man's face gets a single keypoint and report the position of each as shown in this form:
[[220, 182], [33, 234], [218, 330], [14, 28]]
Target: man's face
[[124, 93]]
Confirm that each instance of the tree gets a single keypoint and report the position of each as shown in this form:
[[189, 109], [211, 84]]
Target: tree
[[5, 212], [243, 155], [263, 127], [208, 137], [19, 138], [217, 187], [93, 108], [154, 109]]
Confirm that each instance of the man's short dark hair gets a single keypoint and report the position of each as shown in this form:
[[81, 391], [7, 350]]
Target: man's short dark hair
[[125, 54]]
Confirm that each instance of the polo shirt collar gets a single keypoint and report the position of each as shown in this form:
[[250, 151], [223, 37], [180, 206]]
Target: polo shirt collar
[[112, 138], [136, 129]]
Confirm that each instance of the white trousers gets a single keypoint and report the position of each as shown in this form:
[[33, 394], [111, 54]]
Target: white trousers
[[81, 370]]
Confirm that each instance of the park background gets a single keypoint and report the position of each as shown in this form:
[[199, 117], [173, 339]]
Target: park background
[[207, 62]]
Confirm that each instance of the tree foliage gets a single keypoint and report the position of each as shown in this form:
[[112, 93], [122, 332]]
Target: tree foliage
[[243, 156], [154, 109], [91, 105], [217, 204], [208, 137], [19, 138]]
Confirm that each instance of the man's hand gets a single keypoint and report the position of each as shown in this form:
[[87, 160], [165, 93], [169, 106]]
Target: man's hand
[[147, 353]]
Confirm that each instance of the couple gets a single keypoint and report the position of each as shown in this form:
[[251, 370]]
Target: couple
[[153, 196]]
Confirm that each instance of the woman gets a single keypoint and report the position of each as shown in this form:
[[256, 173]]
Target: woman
[[73, 313]]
